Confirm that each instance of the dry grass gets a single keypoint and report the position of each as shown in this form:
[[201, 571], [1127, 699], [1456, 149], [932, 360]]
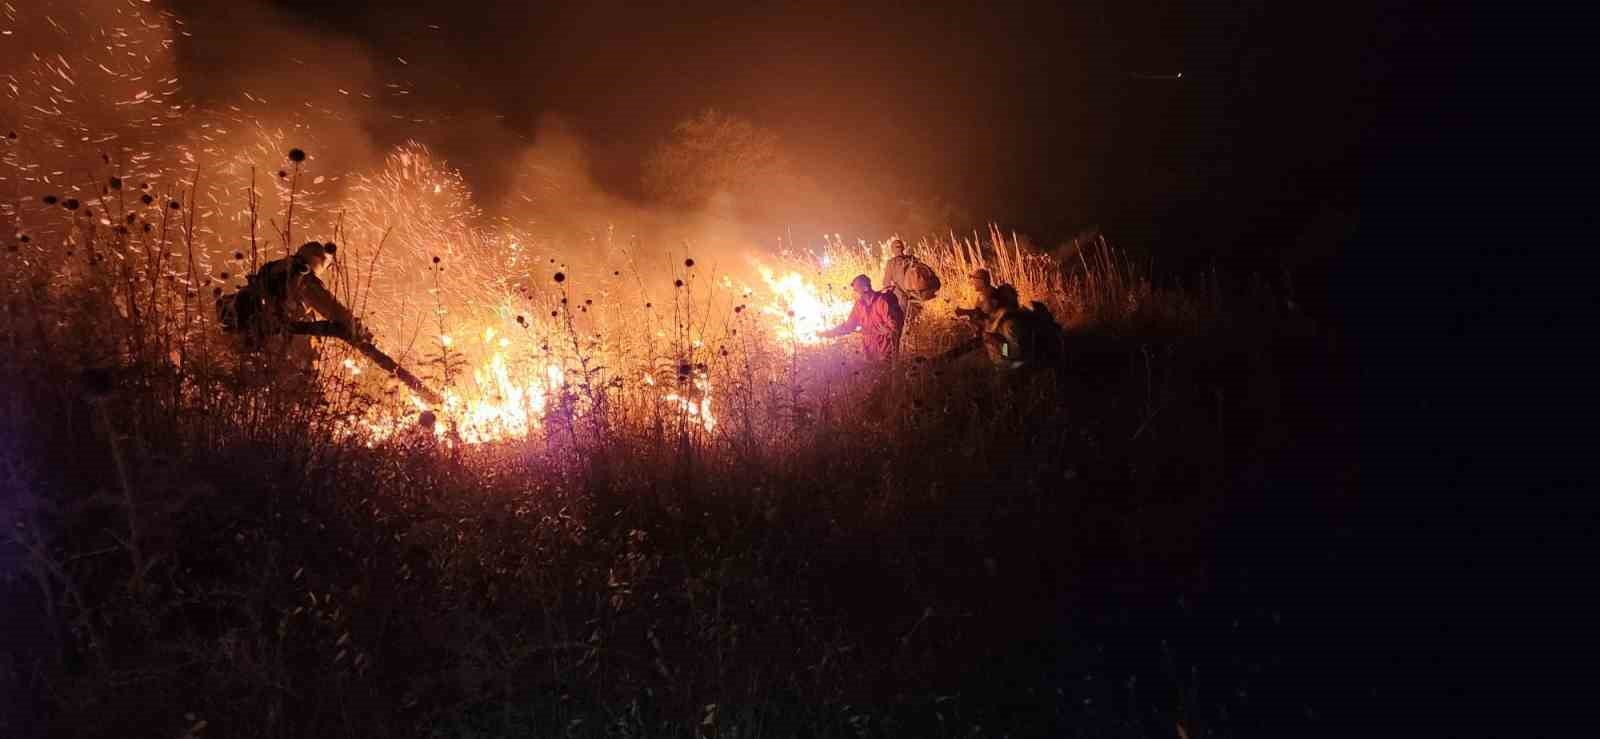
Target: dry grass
[[204, 551]]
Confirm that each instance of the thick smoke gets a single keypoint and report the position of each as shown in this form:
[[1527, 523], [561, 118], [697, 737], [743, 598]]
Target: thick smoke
[[351, 110], [97, 93]]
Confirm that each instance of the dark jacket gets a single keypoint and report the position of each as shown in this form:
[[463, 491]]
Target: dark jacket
[[291, 292]]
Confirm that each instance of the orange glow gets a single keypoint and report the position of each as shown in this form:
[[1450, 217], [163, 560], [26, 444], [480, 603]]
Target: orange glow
[[798, 311]]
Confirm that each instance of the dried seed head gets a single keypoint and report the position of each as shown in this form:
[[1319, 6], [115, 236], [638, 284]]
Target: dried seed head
[[11, 135], [561, 277], [49, 199], [70, 203], [146, 199], [521, 320], [282, 175], [130, 219], [116, 183], [688, 262], [330, 248], [297, 156], [677, 283], [24, 238], [173, 204], [435, 260], [238, 255]]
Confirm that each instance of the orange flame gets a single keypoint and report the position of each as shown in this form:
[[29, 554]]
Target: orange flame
[[801, 311]]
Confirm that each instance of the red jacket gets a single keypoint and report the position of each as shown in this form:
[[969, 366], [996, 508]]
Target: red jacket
[[878, 316]]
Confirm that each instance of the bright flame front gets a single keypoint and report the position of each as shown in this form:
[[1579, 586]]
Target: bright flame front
[[508, 394], [799, 311]]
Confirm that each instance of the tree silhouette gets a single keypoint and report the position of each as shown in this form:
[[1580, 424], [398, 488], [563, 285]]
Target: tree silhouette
[[712, 153]]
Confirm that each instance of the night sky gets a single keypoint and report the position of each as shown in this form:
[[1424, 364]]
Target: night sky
[[1048, 117]]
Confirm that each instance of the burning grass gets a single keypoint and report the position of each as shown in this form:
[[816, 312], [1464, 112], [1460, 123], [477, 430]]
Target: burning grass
[[600, 502], [502, 330], [129, 212], [652, 501]]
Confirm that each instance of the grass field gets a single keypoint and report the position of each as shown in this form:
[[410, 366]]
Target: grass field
[[934, 550]]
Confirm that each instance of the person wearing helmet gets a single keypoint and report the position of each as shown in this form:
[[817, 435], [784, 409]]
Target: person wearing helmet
[[910, 279], [981, 315], [284, 295], [981, 284], [1007, 336], [877, 316]]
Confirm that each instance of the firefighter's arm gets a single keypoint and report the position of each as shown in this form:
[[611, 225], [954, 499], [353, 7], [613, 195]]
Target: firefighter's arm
[[849, 326], [323, 302]]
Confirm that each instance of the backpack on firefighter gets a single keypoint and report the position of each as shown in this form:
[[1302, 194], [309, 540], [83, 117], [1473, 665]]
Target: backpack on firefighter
[[1047, 339], [919, 280], [248, 308]]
